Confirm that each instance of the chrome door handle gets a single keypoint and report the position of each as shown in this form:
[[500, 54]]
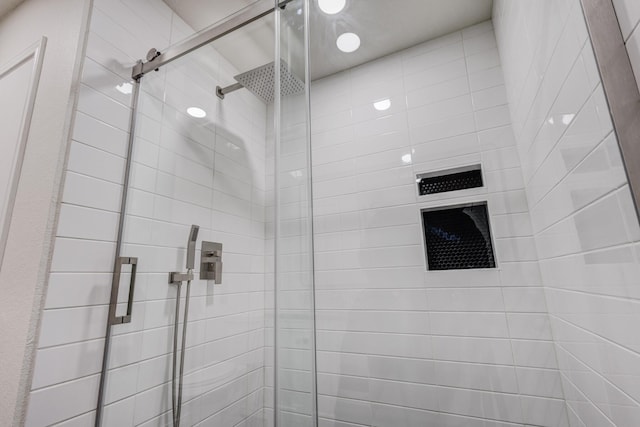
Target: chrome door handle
[[115, 288]]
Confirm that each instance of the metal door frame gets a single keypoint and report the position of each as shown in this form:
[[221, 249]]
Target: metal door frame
[[619, 84]]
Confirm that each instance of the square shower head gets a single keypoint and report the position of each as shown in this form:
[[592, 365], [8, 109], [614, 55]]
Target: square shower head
[[261, 81]]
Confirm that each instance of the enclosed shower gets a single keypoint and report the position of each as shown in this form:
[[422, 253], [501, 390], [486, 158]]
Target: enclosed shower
[[354, 213], [206, 155]]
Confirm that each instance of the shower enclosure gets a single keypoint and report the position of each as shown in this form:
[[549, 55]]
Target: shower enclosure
[[213, 196], [472, 255]]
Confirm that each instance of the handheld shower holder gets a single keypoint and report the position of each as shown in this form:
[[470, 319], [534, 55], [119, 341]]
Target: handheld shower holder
[[177, 277]]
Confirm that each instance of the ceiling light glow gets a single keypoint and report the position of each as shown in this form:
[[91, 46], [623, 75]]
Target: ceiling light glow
[[568, 118], [331, 7], [126, 88], [383, 105], [348, 42], [196, 112]]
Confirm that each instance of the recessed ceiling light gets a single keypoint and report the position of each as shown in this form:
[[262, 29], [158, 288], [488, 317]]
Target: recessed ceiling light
[[348, 42], [196, 112], [383, 105], [331, 7]]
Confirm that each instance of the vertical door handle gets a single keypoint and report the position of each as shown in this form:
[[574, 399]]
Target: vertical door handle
[[115, 288]]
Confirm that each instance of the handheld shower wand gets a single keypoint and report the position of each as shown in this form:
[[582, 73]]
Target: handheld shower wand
[[191, 247], [177, 279]]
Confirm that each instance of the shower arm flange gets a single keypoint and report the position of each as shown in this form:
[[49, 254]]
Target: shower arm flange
[[222, 91]]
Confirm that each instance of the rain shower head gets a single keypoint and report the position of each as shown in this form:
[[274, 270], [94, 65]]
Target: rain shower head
[[261, 82]]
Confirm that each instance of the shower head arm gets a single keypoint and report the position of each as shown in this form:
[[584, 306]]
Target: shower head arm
[[222, 91]]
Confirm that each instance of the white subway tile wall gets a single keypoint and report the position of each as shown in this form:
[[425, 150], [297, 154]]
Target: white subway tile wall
[[585, 227], [209, 172], [399, 345]]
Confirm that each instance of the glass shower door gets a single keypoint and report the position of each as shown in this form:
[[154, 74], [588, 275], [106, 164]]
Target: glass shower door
[[197, 160], [221, 142], [295, 373]]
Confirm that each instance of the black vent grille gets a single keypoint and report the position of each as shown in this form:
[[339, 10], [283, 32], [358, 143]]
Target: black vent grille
[[458, 238], [450, 182]]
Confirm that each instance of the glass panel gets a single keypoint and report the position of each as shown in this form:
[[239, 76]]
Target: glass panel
[[199, 160], [544, 337], [295, 397]]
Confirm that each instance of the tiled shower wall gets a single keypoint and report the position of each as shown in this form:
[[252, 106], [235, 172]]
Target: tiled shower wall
[[628, 12], [399, 345], [584, 223], [209, 172]]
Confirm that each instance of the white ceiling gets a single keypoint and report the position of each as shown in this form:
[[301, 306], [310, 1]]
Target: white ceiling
[[387, 26], [384, 26], [8, 5]]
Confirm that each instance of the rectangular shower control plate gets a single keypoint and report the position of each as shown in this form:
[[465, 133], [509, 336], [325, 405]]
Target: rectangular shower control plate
[[211, 261]]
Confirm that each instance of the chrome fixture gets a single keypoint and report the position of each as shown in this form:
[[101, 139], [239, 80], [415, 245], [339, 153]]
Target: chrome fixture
[[211, 262], [252, 13], [191, 247], [153, 54], [115, 289], [119, 261], [177, 278], [261, 82]]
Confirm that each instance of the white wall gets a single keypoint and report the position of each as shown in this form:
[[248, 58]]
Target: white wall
[[584, 223], [23, 273], [397, 344], [628, 12], [208, 172], [7, 6]]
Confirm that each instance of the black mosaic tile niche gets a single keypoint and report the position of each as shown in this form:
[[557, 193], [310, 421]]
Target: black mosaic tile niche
[[449, 181], [458, 238]]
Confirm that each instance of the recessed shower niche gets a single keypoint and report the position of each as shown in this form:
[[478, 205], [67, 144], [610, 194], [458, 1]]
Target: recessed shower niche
[[461, 178], [458, 237]]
